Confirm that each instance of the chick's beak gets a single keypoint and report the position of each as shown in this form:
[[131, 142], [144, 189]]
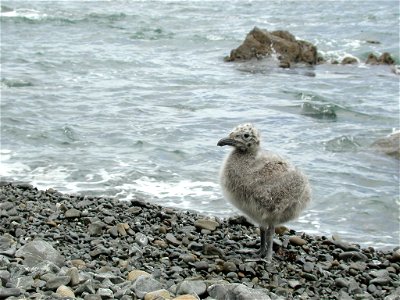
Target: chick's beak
[[226, 142]]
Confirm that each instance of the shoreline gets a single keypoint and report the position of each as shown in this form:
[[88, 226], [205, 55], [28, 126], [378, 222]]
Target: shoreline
[[102, 248]]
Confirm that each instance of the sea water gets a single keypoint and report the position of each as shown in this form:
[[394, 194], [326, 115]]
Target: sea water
[[129, 98]]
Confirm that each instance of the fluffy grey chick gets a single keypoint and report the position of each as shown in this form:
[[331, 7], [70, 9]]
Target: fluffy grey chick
[[264, 186]]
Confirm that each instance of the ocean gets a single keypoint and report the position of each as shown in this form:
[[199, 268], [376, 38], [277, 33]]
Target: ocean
[[128, 99]]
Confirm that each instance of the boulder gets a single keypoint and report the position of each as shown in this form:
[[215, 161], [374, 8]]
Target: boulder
[[37, 251], [384, 59], [237, 291], [389, 145], [349, 60], [261, 43]]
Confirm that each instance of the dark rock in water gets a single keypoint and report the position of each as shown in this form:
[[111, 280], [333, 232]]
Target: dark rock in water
[[389, 145], [262, 43], [37, 251], [348, 60], [384, 59]]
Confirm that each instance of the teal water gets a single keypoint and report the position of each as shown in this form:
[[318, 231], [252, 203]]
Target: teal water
[[129, 98]]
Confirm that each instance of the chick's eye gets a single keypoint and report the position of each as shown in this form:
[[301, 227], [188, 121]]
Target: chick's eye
[[246, 135]]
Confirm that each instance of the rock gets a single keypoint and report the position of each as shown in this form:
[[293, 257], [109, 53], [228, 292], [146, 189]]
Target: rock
[[133, 275], [141, 239], [384, 59], [396, 255], [145, 284], [72, 213], [236, 291], [379, 273], [201, 265], [22, 282], [158, 295], [195, 246], [261, 43], [210, 249], [187, 297], [297, 241], [188, 258], [206, 224], [280, 230], [105, 293], [389, 145], [380, 281], [353, 287], [8, 245], [341, 282], [4, 277], [161, 244], [121, 228], [37, 251], [353, 255], [197, 287], [57, 281], [65, 291], [345, 246], [9, 292], [308, 267], [78, 263], [310, 277], [73, 273], [372, 59], [294, 283], [349, 60], [172, 239], [86, 287], [96, 228], [229, 266]]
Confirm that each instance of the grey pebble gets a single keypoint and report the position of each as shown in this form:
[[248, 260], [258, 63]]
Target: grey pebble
[[72, 213], [197, 287], [341, 282], [57, 281], [9, 292], [353, 255]]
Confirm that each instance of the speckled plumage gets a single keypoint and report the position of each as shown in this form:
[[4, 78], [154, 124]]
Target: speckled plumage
[[264, 186]]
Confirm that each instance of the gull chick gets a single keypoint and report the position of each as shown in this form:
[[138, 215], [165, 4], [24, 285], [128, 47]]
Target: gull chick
[[268, 189]]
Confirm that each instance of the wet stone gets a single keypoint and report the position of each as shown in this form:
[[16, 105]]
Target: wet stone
[[298, 241], [352, 255]]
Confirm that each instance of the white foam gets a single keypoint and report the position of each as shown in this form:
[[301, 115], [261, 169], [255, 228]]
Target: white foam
[[8, 168], [163, 189], [25, 13]]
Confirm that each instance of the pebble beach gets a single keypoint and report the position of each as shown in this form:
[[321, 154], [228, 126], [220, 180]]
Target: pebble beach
[[60, 246]]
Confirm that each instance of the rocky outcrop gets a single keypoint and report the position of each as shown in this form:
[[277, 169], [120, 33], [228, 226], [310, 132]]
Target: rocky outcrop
[[389, 145], [261, 43], [384, 59]]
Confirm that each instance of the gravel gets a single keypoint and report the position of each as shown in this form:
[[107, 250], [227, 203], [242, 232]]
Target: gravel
[[59, 246]]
